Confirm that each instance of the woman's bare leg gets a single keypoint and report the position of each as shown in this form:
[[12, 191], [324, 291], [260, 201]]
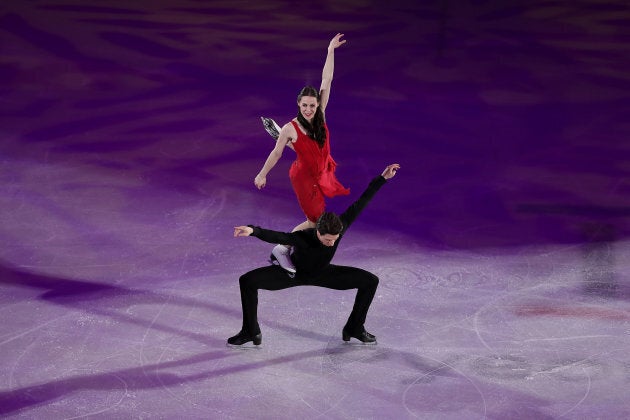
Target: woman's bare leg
[[304, 225]]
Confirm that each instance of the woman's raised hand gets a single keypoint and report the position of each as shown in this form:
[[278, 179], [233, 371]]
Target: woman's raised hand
[[336, 42]]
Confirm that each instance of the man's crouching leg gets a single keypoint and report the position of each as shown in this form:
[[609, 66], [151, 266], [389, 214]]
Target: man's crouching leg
[[250, 330], [355, 328]]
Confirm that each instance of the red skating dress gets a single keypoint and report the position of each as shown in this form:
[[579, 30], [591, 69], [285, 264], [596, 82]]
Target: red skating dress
[[312, 174]]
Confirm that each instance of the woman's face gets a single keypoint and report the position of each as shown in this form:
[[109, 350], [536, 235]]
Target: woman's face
[[308, 105]]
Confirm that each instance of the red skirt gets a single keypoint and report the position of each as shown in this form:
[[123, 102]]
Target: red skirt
[[311, 190]]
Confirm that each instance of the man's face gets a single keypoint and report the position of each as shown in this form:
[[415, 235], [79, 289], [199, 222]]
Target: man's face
[[327, 239]]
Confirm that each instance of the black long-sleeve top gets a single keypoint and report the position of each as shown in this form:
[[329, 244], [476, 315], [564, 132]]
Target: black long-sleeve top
[[309, 254]]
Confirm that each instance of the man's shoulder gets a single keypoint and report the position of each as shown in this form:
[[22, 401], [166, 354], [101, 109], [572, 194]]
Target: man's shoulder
[[306, 235], [309, 232]]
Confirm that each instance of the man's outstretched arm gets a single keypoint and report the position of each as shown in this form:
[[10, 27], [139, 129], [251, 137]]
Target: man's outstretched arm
[[271, 236], [351, 213]]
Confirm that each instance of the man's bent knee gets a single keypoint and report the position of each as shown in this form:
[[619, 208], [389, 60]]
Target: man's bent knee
[[372, 280], [246, 280]]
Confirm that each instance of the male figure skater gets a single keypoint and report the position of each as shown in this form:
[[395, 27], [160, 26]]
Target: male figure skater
[[313, 249]]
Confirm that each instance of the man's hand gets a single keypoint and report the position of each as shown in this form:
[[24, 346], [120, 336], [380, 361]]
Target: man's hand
[[390, 171], [243, 231]]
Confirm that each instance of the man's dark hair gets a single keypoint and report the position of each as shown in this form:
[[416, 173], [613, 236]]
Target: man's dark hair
[[329, 224]]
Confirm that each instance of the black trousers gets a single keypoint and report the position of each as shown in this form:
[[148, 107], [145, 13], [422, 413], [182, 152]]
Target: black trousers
[[332, 277]]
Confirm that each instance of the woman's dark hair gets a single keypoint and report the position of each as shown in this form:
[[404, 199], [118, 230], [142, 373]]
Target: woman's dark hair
[[316, 131], [329, 224]]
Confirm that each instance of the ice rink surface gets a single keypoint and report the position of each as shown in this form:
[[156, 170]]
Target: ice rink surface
[[130, 135]]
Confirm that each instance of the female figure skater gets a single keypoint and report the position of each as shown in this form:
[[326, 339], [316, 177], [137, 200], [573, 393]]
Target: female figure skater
[[312, 174]]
